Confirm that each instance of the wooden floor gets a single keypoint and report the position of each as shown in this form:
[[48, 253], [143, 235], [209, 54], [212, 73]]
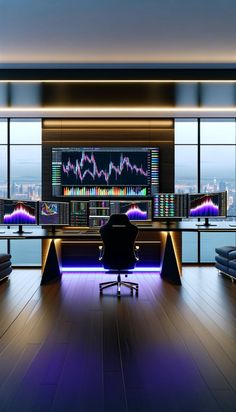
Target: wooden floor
[[63, 348]]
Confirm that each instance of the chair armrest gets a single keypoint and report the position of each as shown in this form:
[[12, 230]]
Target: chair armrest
[[100, 252], [136, 252]]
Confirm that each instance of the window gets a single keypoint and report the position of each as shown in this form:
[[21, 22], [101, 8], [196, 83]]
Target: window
[[209, 241], [186, 131], [3, 131], [208, 166], [185, 168], [3, 171], [218, 172], [25, 131], [25, 179], [25, 172], [217, 131]]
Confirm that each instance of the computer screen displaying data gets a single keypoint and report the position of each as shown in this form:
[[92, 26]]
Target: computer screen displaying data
[[99, 172]]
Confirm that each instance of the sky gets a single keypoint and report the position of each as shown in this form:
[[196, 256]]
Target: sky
[[112, 31]]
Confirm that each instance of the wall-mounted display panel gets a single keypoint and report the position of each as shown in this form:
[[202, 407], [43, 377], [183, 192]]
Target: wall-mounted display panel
[[99, 172]]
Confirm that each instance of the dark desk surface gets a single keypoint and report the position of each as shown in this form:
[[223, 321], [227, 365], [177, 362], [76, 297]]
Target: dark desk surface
[[86, 232]]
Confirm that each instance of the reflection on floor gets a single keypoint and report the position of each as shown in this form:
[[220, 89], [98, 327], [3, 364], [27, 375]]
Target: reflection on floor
[[63, 348]]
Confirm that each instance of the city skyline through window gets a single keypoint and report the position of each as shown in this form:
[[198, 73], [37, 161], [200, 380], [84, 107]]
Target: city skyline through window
[[207, 167]]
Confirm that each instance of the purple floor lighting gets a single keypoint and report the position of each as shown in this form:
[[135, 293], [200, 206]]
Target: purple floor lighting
[[100, 269]]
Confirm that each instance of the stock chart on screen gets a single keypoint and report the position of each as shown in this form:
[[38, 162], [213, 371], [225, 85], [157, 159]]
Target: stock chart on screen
[[105, 171]]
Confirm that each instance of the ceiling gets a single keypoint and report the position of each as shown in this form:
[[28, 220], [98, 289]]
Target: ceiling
[[85, 32]]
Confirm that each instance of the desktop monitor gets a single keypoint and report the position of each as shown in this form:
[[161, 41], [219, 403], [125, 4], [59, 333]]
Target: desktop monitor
[[105, 172], [99, 212], [79, 213], [53, 213], [207, 205], [136, 210], [18, 213], [169, 206]]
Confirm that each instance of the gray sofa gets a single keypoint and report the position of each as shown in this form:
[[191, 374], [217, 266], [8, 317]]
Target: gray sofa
[[226, 260], [5, 265]]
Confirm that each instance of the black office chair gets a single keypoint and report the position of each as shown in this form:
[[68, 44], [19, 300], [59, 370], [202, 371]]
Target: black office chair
[[118, 251]]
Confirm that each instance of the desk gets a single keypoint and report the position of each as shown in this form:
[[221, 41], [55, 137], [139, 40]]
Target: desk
[[168, 237]]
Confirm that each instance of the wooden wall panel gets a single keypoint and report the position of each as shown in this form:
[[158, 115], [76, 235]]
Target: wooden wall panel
[[110, 132]]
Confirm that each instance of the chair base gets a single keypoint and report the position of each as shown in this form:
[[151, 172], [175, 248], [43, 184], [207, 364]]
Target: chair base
[[131, 285]]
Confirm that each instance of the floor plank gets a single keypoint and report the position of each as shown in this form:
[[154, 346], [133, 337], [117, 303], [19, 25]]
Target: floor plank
[[64, 347]]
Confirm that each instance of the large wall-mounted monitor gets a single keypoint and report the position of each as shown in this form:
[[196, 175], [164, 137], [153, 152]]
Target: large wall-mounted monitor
[[53, 213], [136, 210], [18, 213], [170, 206], [207, 205], [105, 172]]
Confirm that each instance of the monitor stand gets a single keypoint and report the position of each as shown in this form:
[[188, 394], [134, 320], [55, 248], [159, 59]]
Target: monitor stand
[[167, 223], [54, 230], [233, 225], [206, 224], [21, 231]]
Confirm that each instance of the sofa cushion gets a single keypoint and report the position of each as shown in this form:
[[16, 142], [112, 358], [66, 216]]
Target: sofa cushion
[[223, 268], [6, 272], [4, 257], [226, 250], [232, 264], [222, 260], [232, 272], [5, 265], [232, 255]]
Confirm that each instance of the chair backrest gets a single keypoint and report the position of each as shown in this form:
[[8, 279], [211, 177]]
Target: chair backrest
[[118, 236]]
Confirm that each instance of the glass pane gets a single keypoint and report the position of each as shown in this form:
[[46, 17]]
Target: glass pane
[[25, 131], [209, 241], [217, 131], [186, 131], [185, 169], [3, 171], [218, 172], [3, 244], [189, 247], [3, 131], [25, 172], [26, 252]]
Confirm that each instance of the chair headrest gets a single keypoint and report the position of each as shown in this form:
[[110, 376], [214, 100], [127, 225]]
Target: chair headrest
[[119, 219]]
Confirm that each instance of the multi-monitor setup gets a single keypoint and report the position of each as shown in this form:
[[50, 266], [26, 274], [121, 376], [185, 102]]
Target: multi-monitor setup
[[29, 213], [199, 205], [94, 213], [104, 181]]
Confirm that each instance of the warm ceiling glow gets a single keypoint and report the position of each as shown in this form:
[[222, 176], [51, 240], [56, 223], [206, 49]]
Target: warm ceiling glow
[[117, 81], [117, 109]]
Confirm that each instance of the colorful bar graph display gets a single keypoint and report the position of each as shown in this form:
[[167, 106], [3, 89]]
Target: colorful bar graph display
[[104, 191]]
